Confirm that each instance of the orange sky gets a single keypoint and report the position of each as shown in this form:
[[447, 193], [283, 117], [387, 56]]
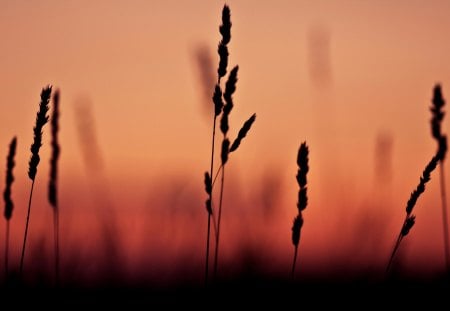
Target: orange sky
[[337, 74]]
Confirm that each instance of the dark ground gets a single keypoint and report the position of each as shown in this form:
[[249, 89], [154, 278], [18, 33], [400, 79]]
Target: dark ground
[[248, 291]]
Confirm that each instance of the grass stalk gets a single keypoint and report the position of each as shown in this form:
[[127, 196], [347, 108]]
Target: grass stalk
[[41, 120], [438, 114], [444, 216], [409, 221], [303, 168], [225, 31], [9, 204], [22, 257], [53, 180], [223, 103]]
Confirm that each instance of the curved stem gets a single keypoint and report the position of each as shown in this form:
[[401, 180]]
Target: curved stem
[[26, 230]]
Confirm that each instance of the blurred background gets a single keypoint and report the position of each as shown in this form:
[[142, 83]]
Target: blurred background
[[352, 78]]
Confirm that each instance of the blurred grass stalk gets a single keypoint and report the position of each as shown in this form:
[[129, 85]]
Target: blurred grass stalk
[[9, 204], [53, 181], [438, 103]]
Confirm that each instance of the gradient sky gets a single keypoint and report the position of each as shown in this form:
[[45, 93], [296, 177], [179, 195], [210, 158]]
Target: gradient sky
[[352, 78]]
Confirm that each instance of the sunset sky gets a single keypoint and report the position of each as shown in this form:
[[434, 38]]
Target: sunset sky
[[353, 79]]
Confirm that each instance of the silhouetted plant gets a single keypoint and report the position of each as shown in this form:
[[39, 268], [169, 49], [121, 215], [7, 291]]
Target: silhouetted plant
[[53, 181], [41, 119], [225, 31], [9, 204], [230, 87], [223, 102], [303, 168], [242, 133], [410, 219], [438, 103]]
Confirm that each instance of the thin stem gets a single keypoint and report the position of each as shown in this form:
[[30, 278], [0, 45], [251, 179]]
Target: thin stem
[[208, 243], [397, 244], [216, 255], [212, 145], [26, 231], [208, 234], [214, 220], [56, 241], [295, 260], [6, 249], [217, 174], [445, 217]]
